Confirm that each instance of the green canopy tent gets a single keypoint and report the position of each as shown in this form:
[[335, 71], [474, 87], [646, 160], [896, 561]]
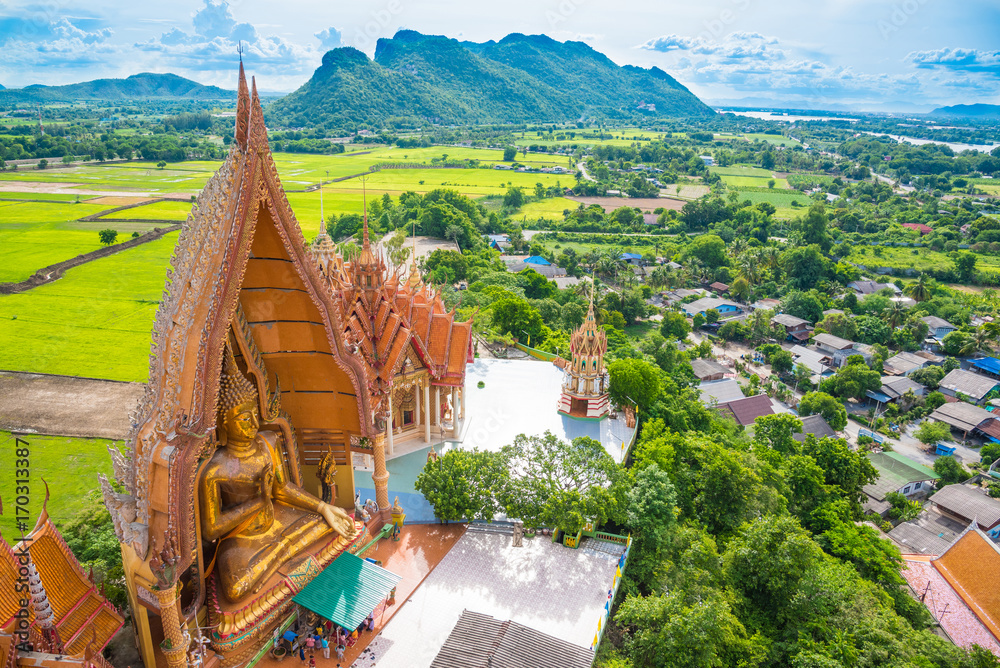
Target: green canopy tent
[[347, 591]]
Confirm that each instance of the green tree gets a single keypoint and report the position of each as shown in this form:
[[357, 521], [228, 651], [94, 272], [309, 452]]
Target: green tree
[[660, 632], [950, 470], [651, 516], [633, 382], [803, 305], [709, 248], [782, 362], [919, 290], [509, 153], [930, 376], [965, 265], [872, 329], [805, 267], [515, 316], [572, 315], [958, 343], [901, 508], [712, 316], [853, 379], [90, 536], [513, 198], [559, 484], [463, 484], [840, 325], [832, 410], [814, 228], [932, 432], [674, 326], [108, 236]]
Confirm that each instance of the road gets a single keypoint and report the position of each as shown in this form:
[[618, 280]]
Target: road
[[583, 170], [910, 447]]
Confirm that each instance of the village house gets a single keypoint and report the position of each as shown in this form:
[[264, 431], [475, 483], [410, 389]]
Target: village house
[[745, 411], [961, 383], [938, 328], [708, 369], [968, 503], [862, 288], [723, 306], [904, 363], [968, 419], [897, 473], [895, 387], [716, 392], [828, 343], [796, 329]]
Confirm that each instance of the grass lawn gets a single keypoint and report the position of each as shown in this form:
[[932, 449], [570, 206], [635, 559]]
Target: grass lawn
[[69, 465], [641, 330], [95, 321], [469, 182]]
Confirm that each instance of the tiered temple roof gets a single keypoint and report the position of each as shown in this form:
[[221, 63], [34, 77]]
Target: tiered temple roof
[[383, 314], [86, 622]]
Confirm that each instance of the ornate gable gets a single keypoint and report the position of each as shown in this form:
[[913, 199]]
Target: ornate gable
[[241, 246]]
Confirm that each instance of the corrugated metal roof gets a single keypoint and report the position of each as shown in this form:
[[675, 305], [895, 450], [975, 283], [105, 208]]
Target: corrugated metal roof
[[348, 590], [895, 472], [969, 504], [988, 364], [480, 641]]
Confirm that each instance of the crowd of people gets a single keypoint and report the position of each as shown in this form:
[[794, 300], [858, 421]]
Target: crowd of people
[[324, 638]]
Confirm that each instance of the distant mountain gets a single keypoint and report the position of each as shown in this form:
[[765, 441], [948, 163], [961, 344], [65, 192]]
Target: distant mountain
[[969, 111], [138, 86], [417, 78]]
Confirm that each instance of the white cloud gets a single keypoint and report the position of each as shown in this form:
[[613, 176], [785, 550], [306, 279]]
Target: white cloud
[[967, 60], [329, 39], [212, 45]]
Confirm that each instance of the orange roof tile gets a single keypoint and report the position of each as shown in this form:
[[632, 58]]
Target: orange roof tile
[[970, 566]]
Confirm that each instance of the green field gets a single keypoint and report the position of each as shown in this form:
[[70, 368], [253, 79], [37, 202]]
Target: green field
[[157, 210], [754, 182], [69, 465], [905, 258], [779, 198], [777, 140], [550, 209], [95, 321], [741, 171]]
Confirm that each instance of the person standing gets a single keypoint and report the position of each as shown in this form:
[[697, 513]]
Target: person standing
[[326, 649], [340, 651], [302, 655]]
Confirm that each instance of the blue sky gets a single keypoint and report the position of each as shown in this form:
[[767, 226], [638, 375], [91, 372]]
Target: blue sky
[[866, 54]]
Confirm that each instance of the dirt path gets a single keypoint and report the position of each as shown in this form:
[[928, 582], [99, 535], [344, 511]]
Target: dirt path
[[66, 405]]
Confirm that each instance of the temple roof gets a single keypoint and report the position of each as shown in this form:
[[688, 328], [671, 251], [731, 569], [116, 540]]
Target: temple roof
[[970, 566], [82, 615], [589, 339]]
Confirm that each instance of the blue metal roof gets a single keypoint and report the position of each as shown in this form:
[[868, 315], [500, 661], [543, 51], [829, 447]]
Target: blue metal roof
[[988, 364], [537, 259], [347, 591], [878, 396], [631, 256]]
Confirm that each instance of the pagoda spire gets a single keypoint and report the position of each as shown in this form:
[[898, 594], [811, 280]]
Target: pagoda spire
[[242, 108], [44, 615]]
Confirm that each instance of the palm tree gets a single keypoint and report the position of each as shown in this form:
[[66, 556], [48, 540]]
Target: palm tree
[[748, 267], [982, 339], [920, 290], [737, 246], [895, 315]]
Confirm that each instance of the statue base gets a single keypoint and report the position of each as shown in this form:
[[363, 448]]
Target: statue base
[[241, 628]]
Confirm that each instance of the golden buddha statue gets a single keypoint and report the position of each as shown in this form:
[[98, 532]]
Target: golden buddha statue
[[248, 504]]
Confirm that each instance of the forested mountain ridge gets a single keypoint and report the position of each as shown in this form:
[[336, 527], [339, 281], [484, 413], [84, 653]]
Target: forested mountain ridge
[[138, 86], [417, 78]]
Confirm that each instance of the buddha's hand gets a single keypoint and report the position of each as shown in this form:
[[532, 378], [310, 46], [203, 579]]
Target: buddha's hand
[[267, 486], [338, 520]]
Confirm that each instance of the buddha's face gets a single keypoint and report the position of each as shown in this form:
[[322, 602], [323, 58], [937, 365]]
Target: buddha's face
[[241, 422]]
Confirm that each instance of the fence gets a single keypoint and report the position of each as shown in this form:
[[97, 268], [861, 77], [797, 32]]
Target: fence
[[616, 582], [534, 352]]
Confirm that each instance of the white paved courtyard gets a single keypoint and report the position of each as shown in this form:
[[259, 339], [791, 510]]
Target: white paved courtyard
[[548, 587]]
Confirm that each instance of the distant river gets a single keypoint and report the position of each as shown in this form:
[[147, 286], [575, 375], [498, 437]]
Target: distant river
[[956, 147], [787, 118]]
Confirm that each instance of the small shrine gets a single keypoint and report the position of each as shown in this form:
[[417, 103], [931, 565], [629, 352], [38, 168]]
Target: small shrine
[[585, 384]]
